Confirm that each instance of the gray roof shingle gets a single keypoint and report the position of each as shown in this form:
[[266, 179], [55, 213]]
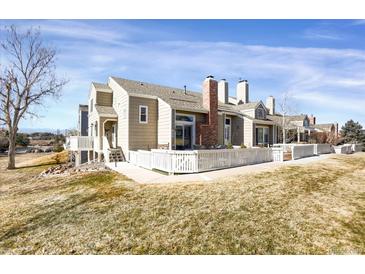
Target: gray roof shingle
[[101, 87], [106, 111], [175, 97], [325, 127]]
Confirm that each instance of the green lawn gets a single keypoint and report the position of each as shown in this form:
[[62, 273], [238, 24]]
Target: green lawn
[[317, 208]]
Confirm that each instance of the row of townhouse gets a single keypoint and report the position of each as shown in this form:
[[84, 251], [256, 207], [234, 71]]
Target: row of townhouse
[[126, 115]]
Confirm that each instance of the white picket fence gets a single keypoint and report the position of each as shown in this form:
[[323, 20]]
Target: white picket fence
[[301, 151], [344, 149], [357, 147], [277, 154], [172, 161], [223, 158], [305, 150], [322, 149]]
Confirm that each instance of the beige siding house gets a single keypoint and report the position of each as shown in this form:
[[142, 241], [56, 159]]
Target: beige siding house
[[126, 115]]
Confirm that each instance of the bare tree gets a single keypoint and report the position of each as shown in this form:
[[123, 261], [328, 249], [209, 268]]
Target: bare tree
[[27, 78], [286, 109]]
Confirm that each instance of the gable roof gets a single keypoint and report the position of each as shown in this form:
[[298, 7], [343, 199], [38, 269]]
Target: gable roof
[[101, 87], [175, 97], [277, 118], [325, 127], [250, 105], [294, 118]]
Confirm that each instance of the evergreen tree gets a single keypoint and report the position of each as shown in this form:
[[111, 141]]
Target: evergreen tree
[[352, 132]]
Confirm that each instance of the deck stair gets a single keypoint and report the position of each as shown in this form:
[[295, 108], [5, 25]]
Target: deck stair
[[116, 155]]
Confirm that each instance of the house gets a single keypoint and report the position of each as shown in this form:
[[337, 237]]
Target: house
[[82, 127], [297, 127], [126, 115], [134, 115], [330, 128]]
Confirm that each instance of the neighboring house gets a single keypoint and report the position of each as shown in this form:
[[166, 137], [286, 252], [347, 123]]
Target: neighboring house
[[82, 128], [328, 128], [297, 127], [331, 128]]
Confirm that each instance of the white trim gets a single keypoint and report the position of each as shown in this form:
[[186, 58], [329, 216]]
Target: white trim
[[143, 96], [91, 106], [139, 114]]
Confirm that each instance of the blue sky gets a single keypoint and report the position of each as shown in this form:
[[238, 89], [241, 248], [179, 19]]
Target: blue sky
[[321, 63]]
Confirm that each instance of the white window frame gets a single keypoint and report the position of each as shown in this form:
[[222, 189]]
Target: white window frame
[[140, 113]]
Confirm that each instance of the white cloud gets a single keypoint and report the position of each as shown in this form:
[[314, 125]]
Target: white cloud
[[335, 77]]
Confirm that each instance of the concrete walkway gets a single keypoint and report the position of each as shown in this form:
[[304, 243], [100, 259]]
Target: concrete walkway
[[145, 176]]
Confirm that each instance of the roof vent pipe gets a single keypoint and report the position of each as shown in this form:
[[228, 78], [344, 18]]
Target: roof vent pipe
[[185, 89]]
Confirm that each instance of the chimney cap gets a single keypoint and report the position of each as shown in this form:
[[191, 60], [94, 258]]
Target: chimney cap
[[223, 79], [240, 81], [210, 77]]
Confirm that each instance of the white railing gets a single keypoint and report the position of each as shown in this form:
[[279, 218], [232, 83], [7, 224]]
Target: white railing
[[76, 143], [144, 159], [133, 157], [301, 151], [322, 149], [198, 160]]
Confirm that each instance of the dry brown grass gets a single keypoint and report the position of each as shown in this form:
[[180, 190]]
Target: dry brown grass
[[317, 208]]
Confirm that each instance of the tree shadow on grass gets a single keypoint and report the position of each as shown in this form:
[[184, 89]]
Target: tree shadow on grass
[[35, 166], [45, 219]]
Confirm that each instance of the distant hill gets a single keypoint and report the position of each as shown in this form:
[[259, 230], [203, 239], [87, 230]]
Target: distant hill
[[31, 130]]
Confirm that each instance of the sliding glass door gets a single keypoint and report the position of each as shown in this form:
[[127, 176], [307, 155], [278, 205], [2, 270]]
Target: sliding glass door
[[184, 137]]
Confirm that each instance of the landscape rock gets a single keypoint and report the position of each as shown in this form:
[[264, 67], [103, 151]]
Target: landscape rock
[[68, 169]]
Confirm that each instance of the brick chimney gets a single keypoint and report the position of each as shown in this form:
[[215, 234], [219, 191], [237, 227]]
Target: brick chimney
[[208, 133], [312, 120]]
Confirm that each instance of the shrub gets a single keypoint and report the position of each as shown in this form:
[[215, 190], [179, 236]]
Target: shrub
[[58, 148], [4, 144], [243, 146], [229, 146], [22, 139]]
